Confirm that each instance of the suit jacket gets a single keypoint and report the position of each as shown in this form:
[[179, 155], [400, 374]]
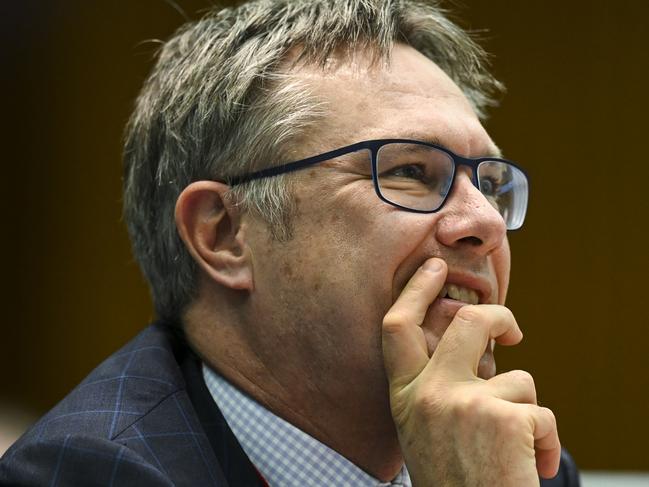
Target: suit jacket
[[144, 417]]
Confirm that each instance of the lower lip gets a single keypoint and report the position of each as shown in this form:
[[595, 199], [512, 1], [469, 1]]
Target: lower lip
[[449, 304], [440, 315]]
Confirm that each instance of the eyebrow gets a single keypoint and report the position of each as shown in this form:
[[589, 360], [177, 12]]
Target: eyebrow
[[429, 139]]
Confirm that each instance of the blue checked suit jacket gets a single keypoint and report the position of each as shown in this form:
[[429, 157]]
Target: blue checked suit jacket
[[144, 417]]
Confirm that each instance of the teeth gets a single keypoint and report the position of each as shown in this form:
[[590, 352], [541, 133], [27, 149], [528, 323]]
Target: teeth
[[459, 293], [444, 292]]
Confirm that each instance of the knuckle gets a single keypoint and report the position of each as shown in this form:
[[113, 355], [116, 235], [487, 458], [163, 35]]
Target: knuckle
[[471, 314], [393, 322], [550, 415], [427, 404], [416, 285], [472, 406], [523, 378], [508, 315], [425, 399]]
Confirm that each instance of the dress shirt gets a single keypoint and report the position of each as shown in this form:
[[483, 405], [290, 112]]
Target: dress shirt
[[285, 455]]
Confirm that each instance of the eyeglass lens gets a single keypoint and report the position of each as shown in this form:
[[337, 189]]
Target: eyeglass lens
[[419, 177]]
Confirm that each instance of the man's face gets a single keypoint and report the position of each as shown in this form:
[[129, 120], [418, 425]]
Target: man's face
[[325, 292]]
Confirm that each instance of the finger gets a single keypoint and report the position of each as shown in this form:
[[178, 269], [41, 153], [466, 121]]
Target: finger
[[405, 352], [458, 353], [513, 386], [546, 442]]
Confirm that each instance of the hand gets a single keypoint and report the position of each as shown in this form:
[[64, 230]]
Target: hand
[[454, 428]]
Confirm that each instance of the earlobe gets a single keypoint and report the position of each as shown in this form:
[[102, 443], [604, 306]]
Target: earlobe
[[209, 224]]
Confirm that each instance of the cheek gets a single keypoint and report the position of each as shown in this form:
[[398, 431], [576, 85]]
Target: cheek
[[411, 244], [362, 243]]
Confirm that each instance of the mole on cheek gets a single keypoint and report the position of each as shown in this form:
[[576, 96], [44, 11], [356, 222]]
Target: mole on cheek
[[287, 271]]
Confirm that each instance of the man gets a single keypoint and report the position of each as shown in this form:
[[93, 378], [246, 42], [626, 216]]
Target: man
[[322, 219]]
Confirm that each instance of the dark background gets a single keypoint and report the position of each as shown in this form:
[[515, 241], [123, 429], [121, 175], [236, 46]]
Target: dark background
[[575, 116]]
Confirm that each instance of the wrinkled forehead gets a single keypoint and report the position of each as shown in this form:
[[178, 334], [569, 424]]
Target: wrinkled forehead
[[405, 96], [363, 63]]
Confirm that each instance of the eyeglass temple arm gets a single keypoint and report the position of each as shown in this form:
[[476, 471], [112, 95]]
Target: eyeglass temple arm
[[297, 165]]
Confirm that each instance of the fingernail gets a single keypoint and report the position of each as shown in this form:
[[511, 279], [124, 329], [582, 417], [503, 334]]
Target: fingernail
[[433, 265]]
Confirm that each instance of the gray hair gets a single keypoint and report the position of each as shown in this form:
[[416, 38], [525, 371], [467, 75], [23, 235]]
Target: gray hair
[[219, 103]]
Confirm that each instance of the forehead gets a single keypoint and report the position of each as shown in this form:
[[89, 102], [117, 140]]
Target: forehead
[[411, 97]]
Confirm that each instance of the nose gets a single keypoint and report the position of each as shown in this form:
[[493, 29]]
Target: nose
[[468, 220]]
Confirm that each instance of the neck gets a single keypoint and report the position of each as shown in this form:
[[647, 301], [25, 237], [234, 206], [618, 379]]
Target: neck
[[358, 427]]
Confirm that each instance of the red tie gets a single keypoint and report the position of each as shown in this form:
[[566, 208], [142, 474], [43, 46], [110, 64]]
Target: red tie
[[261, 478]]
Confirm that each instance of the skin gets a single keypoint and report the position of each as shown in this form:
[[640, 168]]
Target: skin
[[302, 325]]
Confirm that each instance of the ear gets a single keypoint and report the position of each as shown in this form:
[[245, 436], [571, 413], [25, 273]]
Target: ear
[[210, 225]]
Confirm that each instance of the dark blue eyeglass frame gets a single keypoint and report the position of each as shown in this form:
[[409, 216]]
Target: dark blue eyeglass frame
[[373, 146]]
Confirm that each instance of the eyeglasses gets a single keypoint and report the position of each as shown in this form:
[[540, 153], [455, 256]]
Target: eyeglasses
[[418, 176]]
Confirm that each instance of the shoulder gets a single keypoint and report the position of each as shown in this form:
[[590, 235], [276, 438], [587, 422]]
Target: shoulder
[[130, 422], [127, 386], [75, 459]]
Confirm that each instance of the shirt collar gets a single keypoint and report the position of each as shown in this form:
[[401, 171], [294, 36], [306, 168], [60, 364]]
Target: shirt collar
[[284, 454]]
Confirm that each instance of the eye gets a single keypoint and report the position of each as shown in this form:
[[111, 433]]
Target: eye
[[488, 186], [408, 171]]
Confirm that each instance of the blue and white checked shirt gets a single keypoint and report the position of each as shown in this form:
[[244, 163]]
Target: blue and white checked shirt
[[285, 455]]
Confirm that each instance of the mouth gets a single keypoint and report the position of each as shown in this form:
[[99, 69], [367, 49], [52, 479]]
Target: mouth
[[440, 315], [459, 293], [460, 289]]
